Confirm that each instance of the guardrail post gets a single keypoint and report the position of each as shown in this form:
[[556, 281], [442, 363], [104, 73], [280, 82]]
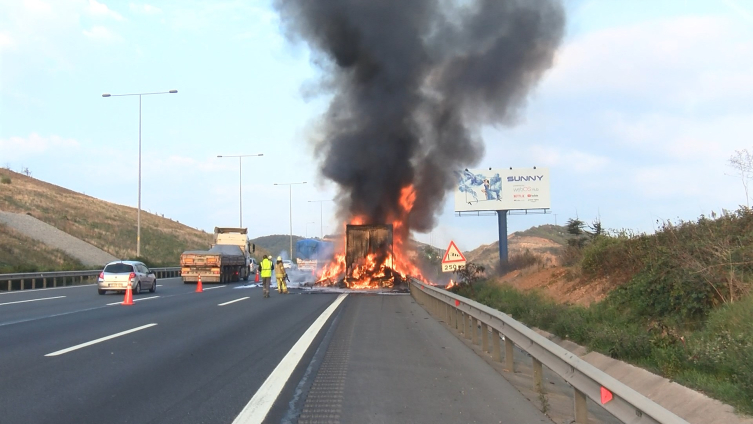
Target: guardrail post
[[509, 351], [44, 282], [54, 281], [484, 337], [468, 333], [496, 348], [538, 375], [581, 408], [474, 326]]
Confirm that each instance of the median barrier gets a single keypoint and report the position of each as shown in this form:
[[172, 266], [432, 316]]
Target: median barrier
[[587, 381], [43, 280]]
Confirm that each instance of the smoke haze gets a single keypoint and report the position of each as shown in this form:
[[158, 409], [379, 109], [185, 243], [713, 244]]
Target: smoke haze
[[412, 82]]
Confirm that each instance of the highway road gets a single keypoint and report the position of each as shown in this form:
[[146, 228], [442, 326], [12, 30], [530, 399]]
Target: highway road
[[227, 355]]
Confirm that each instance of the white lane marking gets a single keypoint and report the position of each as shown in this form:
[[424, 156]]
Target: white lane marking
[[232, 301], [77, 286], [212, 288], [122, 333], [159, 285], [257, 408], [135, 300], [32, 300]]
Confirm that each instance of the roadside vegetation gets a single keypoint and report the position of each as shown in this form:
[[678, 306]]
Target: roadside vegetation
[[680, 303]]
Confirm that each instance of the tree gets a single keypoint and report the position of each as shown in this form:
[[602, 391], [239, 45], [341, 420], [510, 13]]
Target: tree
[[742, 162], [469, 275]]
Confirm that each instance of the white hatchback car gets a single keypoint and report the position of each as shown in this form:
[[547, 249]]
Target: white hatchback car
[[119, 275]]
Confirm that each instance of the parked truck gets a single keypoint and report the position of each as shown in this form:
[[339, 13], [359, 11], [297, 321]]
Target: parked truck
[[228, 260]]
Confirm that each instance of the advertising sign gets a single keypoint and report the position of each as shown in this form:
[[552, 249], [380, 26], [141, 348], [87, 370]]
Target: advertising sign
[[502, 189]]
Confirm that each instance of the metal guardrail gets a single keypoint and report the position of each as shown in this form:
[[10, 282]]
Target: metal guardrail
[[587, 381], [40, 280]]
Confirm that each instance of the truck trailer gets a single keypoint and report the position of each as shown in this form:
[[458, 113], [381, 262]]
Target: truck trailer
[[228, 260]]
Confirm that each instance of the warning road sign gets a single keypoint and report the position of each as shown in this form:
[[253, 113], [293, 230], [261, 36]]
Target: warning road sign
[[453, 259]]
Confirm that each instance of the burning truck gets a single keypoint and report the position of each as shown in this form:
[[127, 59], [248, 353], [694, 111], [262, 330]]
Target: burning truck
[[368, 260]]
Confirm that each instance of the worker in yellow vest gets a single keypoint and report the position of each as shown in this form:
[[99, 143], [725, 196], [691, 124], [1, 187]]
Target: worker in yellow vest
[[280, 274], [266, 274]]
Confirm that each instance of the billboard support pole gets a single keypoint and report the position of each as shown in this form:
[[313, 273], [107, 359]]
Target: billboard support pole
[[502, 224]]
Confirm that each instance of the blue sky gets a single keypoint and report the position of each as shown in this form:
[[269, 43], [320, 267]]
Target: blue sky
[[636, 121]]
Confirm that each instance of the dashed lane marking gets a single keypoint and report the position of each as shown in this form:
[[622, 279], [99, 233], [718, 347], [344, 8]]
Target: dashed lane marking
[[232, 301], [212, 288], [135, 300], [31, 300], [100, 340]]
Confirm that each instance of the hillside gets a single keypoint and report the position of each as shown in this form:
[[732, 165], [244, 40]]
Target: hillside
[[106, 225], [544, 241], [19, 253], [275, 244]]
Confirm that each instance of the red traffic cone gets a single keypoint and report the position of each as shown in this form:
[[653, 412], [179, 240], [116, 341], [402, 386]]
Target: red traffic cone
[[128, 299], [256, 280], [199, 287]]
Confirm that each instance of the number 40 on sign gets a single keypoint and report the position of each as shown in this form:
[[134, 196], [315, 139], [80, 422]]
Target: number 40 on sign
[[453, 259]]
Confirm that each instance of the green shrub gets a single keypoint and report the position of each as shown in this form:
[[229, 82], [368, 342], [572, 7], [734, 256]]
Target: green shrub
[[5, 180]]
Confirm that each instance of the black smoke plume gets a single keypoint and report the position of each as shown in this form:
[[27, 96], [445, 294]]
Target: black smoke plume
[[412, 81]]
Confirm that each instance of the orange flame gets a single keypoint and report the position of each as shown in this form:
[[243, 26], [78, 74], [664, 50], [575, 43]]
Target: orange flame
[[367, 273]]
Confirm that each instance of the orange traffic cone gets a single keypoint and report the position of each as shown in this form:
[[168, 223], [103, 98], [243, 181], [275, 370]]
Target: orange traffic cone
[[128, 300], [256, 280], [199, 288]]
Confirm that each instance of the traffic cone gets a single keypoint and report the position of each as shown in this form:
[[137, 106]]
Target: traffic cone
[[128, 300], [199, 287], [256, 280]]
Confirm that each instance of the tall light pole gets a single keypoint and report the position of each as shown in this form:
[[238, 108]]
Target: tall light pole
[[240, 181], [321, 223], [307, 227], [138, 219], [290, 188]]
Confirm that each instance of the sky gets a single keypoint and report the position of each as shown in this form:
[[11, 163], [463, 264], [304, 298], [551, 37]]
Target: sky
[[637, 119]]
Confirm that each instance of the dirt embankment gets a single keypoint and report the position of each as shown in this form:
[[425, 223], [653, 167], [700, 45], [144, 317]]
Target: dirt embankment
[[561, 284]]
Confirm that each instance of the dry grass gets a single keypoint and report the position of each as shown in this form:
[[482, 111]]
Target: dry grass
[[108, 226], [19, 253]]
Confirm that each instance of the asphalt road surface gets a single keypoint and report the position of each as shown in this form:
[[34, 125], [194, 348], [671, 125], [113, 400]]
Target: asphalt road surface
[[227, 355]]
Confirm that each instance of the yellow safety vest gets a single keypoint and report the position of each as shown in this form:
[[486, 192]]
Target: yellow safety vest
[[266, 268]]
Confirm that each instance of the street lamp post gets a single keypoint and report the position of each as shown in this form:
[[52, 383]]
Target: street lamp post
[[138, 216], [290, 189], [321, 223], [307, 227], [240, 181]]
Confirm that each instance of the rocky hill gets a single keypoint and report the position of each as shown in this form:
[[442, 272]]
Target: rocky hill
[[545, 241]]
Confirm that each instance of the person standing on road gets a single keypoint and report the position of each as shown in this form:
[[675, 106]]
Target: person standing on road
[[266, 274], [281, 274]]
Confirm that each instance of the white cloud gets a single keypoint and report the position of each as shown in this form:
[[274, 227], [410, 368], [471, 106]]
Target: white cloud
[[15, 148], [99, 9], [101, 33], [684, 61], [145, 9], [37, 6], [6, 42]]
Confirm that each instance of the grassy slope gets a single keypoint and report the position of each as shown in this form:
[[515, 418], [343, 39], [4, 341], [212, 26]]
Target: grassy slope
[[108, 226], [488, 254]]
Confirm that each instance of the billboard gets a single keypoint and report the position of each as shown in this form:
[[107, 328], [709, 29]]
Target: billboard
[[502, 189]]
